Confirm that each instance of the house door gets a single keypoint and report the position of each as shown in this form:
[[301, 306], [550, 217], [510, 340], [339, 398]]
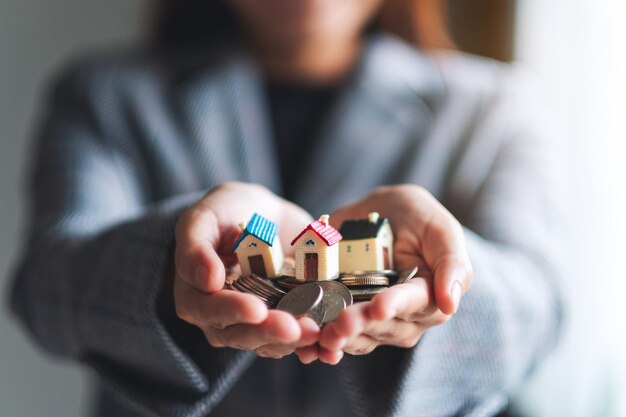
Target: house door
[[310, 267], [386, 259], [257, 266]]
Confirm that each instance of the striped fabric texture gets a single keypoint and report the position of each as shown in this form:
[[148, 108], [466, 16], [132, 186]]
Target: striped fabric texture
[[129, 140]]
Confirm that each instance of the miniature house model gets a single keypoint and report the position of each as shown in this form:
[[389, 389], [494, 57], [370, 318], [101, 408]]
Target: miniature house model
[[258, 249], [367, 244], [317, 252]]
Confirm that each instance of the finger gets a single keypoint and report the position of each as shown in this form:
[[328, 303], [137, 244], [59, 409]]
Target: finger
[[197, 262], [356, 210], [395, 332], [279, 327], [443, 247], [309, 332], [405, 258], [361, 345], [404, 301], [348, 324], [275, 351], [330, 357], [220, 309], [308, 354], [330, 339], [452, 279], [211, 337]]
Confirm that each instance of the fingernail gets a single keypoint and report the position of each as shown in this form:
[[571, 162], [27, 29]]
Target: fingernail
[[200, 276], [455, 294]]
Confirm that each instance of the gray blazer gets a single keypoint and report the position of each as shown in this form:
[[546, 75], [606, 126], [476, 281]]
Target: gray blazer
[[131, 140]]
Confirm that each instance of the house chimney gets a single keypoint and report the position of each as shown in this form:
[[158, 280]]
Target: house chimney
[[242, 227], [373, 217], [324, 218]]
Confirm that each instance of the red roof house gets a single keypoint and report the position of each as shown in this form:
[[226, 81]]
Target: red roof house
[[317, 251]]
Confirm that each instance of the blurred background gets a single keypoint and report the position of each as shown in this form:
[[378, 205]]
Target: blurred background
[[574, 49]]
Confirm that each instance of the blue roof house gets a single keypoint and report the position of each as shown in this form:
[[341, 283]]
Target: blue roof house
[[258, 248]]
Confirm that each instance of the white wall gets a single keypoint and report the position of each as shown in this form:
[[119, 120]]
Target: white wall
[[35, 37], [577, 50]]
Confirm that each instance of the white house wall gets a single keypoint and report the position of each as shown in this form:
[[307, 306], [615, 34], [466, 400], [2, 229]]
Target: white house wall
[[277, 259], [385, 239], [327, 257], [358, 259], [272, 255]]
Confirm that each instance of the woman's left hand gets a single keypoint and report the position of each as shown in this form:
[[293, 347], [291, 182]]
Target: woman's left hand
[[427, 236]]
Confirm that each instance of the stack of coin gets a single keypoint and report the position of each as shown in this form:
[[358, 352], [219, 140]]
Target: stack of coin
[[256, 285], [365, 280], [287, 282], [365, 284], [322, 301]]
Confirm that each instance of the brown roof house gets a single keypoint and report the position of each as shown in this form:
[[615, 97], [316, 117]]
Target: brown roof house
[[367, 244], [258, 248], [317, 252]]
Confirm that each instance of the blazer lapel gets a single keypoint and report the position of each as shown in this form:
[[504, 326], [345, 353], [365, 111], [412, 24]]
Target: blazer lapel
[[229, 126], [372, 136], [253, 127], [378, 121]]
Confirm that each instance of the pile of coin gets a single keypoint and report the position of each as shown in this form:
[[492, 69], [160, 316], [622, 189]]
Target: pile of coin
[[259, 286], [288, 283], [322, 301], [364, 285]]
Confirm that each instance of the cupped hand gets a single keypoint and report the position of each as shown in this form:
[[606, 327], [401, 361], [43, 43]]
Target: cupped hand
[[205, 235], [427, 236]]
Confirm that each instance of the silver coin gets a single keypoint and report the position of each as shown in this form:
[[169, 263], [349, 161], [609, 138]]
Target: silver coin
[[266, 282], [337, 287], [269, 301], [301, 299], [333, 304], [318, 313], [261, 288], [406, 276], [366, 294], [288, 283], [251, 285]]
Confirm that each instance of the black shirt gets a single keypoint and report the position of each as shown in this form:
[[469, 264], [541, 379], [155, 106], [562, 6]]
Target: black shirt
[[298, 113]]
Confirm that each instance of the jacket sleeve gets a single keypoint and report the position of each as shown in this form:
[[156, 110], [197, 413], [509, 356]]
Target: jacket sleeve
[[94, 282], [504, 190]]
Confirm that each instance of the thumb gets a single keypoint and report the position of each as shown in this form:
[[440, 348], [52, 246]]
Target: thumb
[[197, 262], [453, 278]]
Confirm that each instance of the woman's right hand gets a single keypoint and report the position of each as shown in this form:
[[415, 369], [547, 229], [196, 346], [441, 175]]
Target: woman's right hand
[[205, 235]]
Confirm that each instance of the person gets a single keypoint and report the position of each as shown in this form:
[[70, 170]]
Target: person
[[148, 159]]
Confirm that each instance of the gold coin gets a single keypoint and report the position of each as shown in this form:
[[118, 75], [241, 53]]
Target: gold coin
[[365, 281]]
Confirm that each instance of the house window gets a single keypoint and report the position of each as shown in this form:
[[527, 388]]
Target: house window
[[367, 247], [252, 245], [349, 248], [310, 242]]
